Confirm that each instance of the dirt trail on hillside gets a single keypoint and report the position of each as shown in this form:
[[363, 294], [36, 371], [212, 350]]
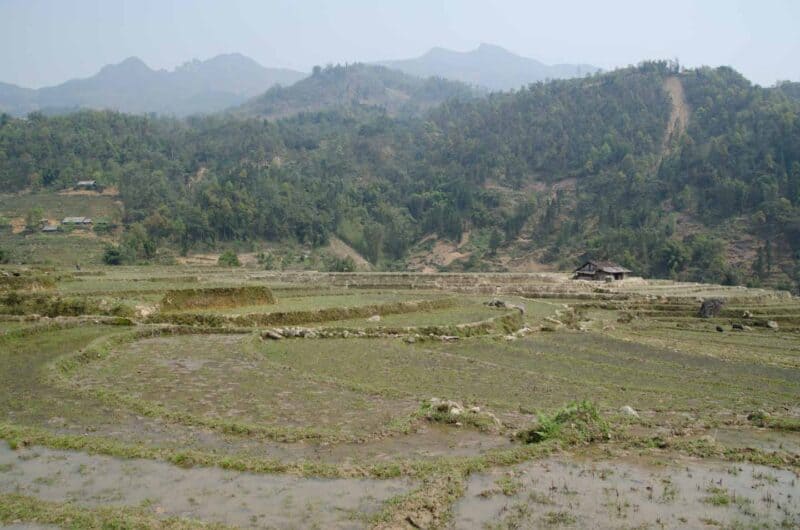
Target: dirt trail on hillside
[[679, 115]]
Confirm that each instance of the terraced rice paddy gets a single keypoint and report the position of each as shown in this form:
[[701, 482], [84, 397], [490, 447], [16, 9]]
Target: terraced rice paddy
[[397, 401]]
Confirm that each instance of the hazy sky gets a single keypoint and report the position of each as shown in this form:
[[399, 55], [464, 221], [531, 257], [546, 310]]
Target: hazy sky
[[45, 42]]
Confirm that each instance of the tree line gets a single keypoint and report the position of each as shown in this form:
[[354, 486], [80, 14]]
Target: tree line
[[381, 182]]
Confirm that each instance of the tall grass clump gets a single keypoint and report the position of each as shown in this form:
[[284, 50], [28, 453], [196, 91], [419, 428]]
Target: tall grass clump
[[577, 423]]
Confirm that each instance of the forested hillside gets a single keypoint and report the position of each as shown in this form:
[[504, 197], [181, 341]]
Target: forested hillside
[[559, 171], [355, 85]]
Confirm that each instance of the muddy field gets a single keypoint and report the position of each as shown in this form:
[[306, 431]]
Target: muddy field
[[380, 400]]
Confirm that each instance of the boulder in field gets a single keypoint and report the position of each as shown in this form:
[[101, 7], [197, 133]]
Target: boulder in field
[[272, 335]]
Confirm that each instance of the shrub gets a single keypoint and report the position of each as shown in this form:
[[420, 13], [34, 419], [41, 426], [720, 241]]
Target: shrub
[[268, 261], [112, 255], [228, 259], [337, 264], [103, 226], [578, 422]]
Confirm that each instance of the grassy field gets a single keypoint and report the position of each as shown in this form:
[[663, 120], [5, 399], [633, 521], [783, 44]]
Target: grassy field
[[586, 410], [56, 206]]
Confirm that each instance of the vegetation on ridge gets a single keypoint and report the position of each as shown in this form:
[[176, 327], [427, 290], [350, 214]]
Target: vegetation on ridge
[[570, 168]]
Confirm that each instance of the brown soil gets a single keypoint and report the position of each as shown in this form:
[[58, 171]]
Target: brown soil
[[442, 254], [17, 225], [679, 116], [340, 249], [198, 259], [198, 177]]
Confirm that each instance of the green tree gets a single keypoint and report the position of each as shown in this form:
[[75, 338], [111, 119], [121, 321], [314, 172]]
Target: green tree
[[33, 218], [495, 240], [112, 255], [228, 259]]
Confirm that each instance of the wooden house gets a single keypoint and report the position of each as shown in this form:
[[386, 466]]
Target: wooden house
[[77, 221], [601, 270]]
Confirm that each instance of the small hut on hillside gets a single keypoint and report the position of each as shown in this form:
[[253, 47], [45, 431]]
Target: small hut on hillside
[[601, 270], [77, 221], [86, 185]]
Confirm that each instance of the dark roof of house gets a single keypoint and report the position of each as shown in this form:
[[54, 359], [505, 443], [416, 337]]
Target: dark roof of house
[[608, 267]]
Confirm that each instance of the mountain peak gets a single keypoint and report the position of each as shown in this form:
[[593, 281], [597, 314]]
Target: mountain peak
[[130, 63], [493, 48], [132, 66], [132, 86], [488, 65]]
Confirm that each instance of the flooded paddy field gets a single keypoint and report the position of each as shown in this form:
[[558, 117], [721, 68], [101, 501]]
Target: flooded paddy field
[[394, 401], [631, 493], [210, 494]]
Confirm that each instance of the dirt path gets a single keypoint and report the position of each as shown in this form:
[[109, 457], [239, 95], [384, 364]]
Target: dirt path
[[678, 117]]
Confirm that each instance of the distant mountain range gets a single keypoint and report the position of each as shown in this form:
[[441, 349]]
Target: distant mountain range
[[238, 82], [355, 85], [488, 66], [131, 86]]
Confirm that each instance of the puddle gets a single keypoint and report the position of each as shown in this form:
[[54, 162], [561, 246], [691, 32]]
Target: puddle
[[612, 494], [763, 439], [208, 494]]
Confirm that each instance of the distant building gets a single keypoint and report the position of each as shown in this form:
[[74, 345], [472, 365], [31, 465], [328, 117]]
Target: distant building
[[50, 228], [77, 221], [601, 270], [86, 185]]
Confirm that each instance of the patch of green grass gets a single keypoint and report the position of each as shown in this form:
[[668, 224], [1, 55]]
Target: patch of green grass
[[722, 497], [508, 485], [577, 423], [196, 381], [778, 423], [216, 297], [561, 518], [16, 508], [54, 249]]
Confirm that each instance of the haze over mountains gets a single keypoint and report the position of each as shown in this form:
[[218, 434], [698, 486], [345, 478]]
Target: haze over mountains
[[488, 66], [226, 81], [132, 86]]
